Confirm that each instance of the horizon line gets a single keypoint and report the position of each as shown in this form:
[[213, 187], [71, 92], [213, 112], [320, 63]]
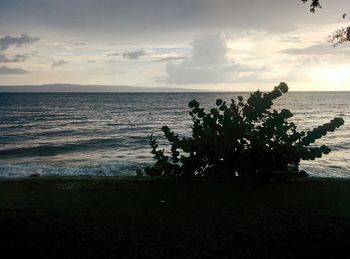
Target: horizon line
[[136, 89]]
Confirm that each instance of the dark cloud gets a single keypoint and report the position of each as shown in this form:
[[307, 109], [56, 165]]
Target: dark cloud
[[16, 58], [4, 70], [136, 54], [8, 41], [113, 54], [319, 49], [160, 17], [20, 57], [58, 63], [3, 59]]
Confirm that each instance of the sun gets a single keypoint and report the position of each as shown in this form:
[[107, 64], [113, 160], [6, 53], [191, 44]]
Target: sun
[[338, 75], [334, 78]]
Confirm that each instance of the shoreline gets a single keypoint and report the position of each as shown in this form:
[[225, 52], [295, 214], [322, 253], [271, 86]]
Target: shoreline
[[151, 178]]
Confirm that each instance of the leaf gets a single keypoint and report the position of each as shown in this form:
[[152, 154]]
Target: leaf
[[219, 102], [193, 104]]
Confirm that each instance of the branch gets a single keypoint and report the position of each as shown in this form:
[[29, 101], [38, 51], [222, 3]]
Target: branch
[[314, 4], [340, 36]]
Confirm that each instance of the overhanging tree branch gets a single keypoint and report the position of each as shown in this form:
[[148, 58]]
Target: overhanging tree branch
[[339, 36], [313, 5]]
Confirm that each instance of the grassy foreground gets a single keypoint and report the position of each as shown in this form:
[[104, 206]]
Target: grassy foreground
[[161, 218]]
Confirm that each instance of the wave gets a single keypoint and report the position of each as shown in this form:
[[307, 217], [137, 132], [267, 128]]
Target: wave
[[108, 169], [52, 150]]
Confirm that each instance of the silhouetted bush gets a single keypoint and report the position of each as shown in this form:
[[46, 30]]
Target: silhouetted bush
[[240, 139]]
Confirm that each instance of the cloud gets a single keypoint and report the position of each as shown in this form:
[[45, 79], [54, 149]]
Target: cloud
[[8, 41], [91, 61], [3, 59], [80, 43], [20, 58], [118, 71], [113, 54], [160, 17], [319, 49], [16, 58], [291, 39], [209, 64], [170, 58], [58, 63], [136, 54], [4, 70]]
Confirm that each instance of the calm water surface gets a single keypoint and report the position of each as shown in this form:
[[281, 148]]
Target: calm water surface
[[107, 133]]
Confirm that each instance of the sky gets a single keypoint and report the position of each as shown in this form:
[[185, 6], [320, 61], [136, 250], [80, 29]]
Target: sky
[[229, 45]]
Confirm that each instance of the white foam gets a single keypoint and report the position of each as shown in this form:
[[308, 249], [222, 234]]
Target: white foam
[[25, 170]]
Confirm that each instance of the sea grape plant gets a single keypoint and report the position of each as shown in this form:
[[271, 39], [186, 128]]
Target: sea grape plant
[[240, 138]]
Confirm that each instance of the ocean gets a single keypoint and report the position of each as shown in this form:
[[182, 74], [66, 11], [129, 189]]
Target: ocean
[[106, 134]]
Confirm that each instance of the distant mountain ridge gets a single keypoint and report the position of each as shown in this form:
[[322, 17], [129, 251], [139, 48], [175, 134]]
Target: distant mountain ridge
[[75, 88]]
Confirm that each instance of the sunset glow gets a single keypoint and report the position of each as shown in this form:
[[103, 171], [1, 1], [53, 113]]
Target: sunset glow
[[338, 75], [214, 46]]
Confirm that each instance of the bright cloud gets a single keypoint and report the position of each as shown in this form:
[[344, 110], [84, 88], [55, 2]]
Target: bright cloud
[[209, 64]]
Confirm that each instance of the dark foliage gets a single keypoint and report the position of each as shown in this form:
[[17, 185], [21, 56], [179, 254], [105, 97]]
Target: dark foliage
[[313, 5], [339, 36], [240, 139]]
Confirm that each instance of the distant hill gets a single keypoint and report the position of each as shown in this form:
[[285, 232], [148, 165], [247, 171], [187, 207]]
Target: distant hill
[[62, 88]]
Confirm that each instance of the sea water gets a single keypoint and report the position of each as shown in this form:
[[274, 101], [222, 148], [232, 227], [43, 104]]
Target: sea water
[[106, 134]]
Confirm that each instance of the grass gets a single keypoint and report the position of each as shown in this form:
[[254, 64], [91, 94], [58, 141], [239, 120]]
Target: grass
[[173, 218]]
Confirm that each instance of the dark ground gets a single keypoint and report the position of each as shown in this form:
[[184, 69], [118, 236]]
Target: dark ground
[[126, 218]]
